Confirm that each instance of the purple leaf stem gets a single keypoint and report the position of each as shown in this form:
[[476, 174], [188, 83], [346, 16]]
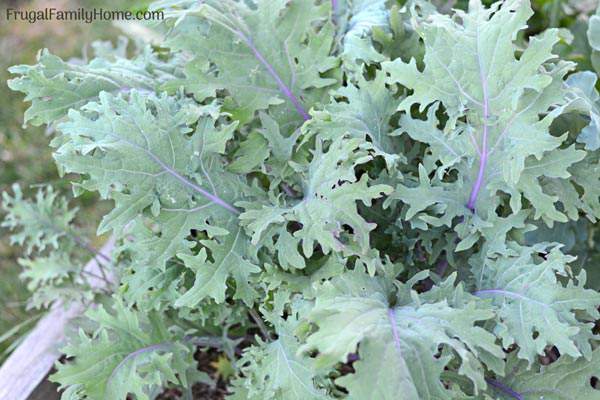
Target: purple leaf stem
[[285, 90], [483, 158], [482, 164], [152, 348], [507, 293], [210, 196], [504, 389], [395, 334]]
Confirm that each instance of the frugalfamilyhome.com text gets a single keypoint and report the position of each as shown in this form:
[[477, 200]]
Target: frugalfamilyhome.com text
[[81, 14]]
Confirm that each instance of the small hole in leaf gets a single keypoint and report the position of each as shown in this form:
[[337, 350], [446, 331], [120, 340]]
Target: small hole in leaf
[[535, 335], [293, 226], [499, 209], [348, 228], [594, 382]]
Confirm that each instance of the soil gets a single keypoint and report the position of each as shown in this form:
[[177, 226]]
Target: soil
[[201, 391]]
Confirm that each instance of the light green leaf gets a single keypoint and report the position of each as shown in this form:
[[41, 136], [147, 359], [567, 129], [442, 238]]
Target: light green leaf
[[40, 223], [152, 288], [44, 270], [534, 308], [129, 353], [471, 67], [584, 86], [230, 258], [251, 154], [565, 379], [586, 174], [363, 16], [54, 86], [448, 149], [330, 196], [137, 152], [275, 371], [398, 337], [265, 54], [593, 32], [362, 110]]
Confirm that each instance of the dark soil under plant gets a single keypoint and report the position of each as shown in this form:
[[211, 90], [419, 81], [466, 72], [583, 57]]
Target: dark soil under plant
[[202, 391]]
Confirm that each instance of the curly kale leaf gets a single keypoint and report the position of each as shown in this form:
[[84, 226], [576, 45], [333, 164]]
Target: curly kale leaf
[[38, 224], [128, 353], [166, 178], [276, 371], [493, 100], [534, 309], [398, 335], [54, 86], [331, 192], [263, 53]]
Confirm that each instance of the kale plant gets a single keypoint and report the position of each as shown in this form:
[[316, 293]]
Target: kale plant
[[348, 199]]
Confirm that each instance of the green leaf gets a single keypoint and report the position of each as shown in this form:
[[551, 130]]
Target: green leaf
[[565, 379], [330, 196], [586, 175], [584, 86], [41, 223], [251, 154], [275, 371], [534, 309], [54, 278], [362, 110], [398, 336], [447, 149], [593, 32], [364, 16], [137, 152], [265, 54], [230, 258], [129, 353], [54, 86], [472, 68], [152, 288]]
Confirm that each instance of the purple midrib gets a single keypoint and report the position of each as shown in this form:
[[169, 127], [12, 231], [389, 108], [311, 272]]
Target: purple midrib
[[511, 294], [504, 388], [334, 6], [155, 347], [483, 159], [283, 88], [210, 196], [392, 317]]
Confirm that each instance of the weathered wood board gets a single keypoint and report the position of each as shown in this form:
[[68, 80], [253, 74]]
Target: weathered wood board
[[31, 362]]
